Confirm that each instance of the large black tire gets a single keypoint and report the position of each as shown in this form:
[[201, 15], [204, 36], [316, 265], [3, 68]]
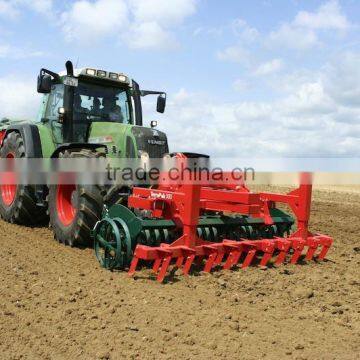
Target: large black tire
[[86, 204], [22, 209]]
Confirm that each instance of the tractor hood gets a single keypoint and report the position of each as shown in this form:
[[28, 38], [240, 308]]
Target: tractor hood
[[124, 140]]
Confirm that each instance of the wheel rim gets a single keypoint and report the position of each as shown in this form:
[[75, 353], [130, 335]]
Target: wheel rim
[[8, 191], [64, 203]]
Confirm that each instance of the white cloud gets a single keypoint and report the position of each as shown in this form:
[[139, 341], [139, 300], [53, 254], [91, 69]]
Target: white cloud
[[328, 16], [343, 80], [40, 6], [8, 9], [12, 8], [141, 24], [241, 85], [245, 32], [269, 67], [12, 52], [19, 98], [293, 37], [89, 21], [149, 35], [236, 54], [153, 21], [164, 12], [313, 118], [301, 33], [310, 98]]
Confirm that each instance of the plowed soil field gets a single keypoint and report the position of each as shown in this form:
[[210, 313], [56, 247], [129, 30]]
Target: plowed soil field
[[56, 303]]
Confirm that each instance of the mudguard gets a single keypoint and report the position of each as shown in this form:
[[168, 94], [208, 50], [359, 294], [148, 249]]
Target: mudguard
[[31, 137]]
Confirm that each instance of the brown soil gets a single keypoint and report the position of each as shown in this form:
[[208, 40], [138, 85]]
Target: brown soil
[[56, 302]]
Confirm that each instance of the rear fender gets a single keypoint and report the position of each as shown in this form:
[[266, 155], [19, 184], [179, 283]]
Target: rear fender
[[31, 138]]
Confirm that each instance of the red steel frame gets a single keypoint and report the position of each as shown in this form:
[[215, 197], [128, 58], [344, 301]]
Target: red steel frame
[[185, 202]]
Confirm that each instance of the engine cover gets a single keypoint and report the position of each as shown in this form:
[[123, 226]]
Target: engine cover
[[153, 141]]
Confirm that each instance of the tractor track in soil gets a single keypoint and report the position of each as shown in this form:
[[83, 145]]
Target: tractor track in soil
[[56, 303]]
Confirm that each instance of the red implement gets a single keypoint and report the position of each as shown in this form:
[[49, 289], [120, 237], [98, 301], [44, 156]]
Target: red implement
[[185, 202]]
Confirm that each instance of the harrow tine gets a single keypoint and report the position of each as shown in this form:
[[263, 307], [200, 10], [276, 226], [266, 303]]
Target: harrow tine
[[268, 248], [164, 267], [210, 261], [283, 246], [232, 259], [179, 261], [133, 266], [188, 263], [249, 257], [219, 257], [298, 247], [326, 243], [266, 258], [280, 258], [310, 253], [294, 259], [156, 265], [323, 252]]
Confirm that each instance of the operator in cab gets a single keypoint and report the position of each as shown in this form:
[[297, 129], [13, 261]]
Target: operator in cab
[[111, 111]]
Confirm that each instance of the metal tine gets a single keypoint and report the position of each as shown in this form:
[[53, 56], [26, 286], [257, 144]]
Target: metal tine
[[219, 257], [283, 246], [297, 253], [281, 257], [156, 265], [179, 261], [235, 259], [248, 259], [133, 266], [266, 258], [326, 244], [164, 267], [310, 253], [298, 247], [189, 260], [323, 252], [234, 254], [211, 260]]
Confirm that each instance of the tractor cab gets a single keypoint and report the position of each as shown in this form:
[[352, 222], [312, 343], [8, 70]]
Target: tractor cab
[[96, 106]]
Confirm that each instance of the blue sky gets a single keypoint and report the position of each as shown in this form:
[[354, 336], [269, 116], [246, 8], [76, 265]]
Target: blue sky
[[244, 77]]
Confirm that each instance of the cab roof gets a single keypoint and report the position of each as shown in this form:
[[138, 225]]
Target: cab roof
[[98, 74]]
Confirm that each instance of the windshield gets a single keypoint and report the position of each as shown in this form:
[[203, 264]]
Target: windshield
[[101, 103]]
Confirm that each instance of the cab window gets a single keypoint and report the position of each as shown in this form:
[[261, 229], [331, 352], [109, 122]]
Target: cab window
[[55, 100]]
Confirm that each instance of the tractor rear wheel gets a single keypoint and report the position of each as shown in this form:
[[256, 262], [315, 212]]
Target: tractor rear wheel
[[18, 202], [74, 209]]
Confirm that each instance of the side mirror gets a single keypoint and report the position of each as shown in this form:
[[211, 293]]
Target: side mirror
[[161, 104], [44, 84]]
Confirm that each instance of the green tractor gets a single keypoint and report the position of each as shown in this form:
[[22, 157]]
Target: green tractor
[[84, 113]]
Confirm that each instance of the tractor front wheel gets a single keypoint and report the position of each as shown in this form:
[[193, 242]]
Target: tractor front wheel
[[75, 209]]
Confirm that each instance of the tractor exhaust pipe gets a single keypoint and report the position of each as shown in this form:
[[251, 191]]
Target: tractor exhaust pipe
[[69, 68]]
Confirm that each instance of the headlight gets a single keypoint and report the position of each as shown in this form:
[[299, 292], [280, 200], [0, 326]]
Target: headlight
[[144, 156], [114, 76], [101, 73], [91, 72], [123, 78]]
